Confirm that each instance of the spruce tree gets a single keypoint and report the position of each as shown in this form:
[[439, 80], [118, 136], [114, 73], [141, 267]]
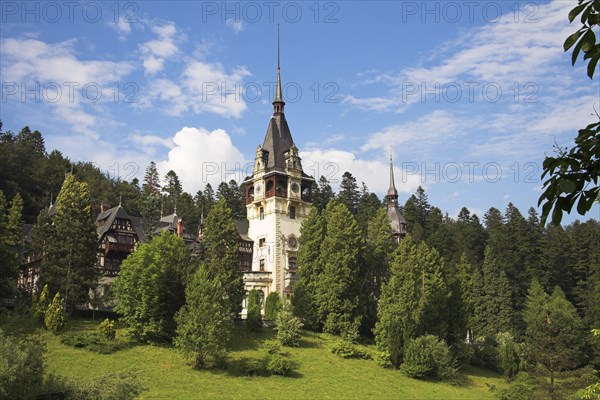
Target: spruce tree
[[204, 323], [220, 242], [272, 306], [379, 250], [310, 269], [322, 194], [338, 289], [149, 289], [415, 300], [349, 194], [11, 242], [496, 307], [172, 190], [554, 332], [368, 205], [70, 265], [253, 318], [151, 179]]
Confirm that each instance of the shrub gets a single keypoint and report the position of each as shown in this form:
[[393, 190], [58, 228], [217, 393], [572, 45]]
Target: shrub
[[40, 305], [486, 353], [289, 328], [508, 359], [428, 356], [253, 318], [347, 349], [272, 306], [279, 365], [112, 386], [107, 329], [55, 317], [21, 366], [382, 358], [272, 346], [92, 341], [250, 367]]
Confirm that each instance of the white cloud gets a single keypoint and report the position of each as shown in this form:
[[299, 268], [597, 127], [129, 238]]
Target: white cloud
[[201, 156], [164, 47], [332, 163], [62, 78], [236, 25]]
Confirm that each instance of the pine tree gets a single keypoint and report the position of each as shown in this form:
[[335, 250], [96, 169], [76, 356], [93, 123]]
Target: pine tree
[[322, 194], [557, 261], [554, 331], [310, 269], [70, 265], [368, 205], [253, 319], [11, 240], [415, 300], [379, 249], [220, 241], [151, 179], [515, 253], [496, 302], [204, 323], [272, 306], [349, 194], [149, 289], [172, 190], [338, 289], [469, 277]]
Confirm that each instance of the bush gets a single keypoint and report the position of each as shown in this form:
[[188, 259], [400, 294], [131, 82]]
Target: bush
[[346, 349], [92, 341], [249, 367], [113, 386], [272, 346], [508, 358], [486, 353], [382, 358], [21, 366], [272, 306], [279, 365], [107, 329], [55, 317], [253, 318], [428, 356], [40, 305], [289, 328]]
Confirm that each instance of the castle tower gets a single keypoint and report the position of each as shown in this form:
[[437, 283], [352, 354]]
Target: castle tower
[[397, 220], [278, 198]]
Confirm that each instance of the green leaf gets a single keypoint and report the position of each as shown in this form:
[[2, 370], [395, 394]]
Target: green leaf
[[566, 186], [576, 51], [571, 40], [592, 67], [557, 216], [582, 206], [589, 40], [575, 12]]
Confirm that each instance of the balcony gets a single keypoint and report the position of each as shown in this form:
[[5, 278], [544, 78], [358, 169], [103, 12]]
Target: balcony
[[257, 276], [118, 247]]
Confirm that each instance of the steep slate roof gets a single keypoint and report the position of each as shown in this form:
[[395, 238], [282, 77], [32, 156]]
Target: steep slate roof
[[110, 216], [278, 141], [396, 218]]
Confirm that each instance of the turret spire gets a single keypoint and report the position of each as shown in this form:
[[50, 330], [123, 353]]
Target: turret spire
[[392, 190], [278, 103]]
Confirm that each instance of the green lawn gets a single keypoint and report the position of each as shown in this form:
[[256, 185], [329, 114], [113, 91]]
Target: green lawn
[[320, 374]]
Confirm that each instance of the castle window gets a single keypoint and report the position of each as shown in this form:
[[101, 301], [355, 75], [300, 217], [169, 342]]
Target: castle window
[[261, 242], [262, 298], [262, 265], [292, 264], [292, 212], [262, 213]]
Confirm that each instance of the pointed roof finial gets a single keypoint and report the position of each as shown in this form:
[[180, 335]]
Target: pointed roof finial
[[278, 103], [202, 215], [120, 200], [51, 198], [392, 190]]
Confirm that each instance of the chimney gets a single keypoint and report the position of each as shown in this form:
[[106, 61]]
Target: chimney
[[179, 228]]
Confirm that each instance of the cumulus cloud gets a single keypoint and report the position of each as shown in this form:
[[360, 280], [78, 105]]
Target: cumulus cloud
[[332, 163], [62, 81], [165, 46], [200, 156]]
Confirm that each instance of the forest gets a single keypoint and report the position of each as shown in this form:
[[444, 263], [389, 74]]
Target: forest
[[503, 292]]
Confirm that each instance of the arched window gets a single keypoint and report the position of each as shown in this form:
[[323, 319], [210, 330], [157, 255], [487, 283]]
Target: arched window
[[262, 213], [292, 263], [262, 298], [245, 301]]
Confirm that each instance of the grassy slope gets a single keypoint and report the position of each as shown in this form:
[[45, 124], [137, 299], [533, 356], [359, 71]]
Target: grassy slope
[[320, 374]]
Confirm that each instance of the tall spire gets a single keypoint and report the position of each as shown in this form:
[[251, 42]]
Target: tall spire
[[278, 103], [392, 190]]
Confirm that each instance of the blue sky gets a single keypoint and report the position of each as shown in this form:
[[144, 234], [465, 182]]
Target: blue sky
[[468, 96]]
